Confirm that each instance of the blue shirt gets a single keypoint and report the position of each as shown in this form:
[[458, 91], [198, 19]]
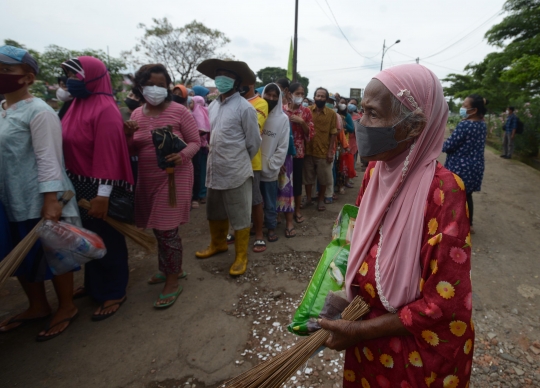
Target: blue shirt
[[465, 153], [511, 123], [31, 160]]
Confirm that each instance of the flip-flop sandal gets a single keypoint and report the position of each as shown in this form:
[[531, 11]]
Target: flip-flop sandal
[[230, 239], [80, 292], [272, 237], [194, 204], [43, 338], [259, 244], [161, 297], [160, 278], [321, 207], [22, 322], [202, 201], [101, 317], [298, 219], [349, 185], [328, 200], [288, 233]]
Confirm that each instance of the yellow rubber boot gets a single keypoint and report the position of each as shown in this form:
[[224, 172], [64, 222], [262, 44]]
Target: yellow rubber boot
[[241, 243], [218, 244]]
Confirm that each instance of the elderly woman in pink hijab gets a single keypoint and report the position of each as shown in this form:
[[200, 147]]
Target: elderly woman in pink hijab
[[200, 114], [410, 252]]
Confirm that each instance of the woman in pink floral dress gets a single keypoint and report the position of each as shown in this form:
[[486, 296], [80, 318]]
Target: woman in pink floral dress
[[410, 251]]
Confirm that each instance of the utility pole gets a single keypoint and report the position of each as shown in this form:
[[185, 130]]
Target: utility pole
[[385, 50], [382, 58], [417, 60], [295, 48]]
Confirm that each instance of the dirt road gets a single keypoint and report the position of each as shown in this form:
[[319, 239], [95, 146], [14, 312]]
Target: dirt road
[[222, 326]]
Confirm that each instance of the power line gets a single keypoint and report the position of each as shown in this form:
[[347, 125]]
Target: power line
[[322, 9], [345, 36], [461, 52], [463, 37], [444, 67]]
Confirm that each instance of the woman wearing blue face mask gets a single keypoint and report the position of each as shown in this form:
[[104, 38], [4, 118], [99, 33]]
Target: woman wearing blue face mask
[[98, 164], [465, 147], [152, 209]]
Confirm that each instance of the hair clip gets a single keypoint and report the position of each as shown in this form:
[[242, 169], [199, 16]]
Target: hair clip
[[409, 97]]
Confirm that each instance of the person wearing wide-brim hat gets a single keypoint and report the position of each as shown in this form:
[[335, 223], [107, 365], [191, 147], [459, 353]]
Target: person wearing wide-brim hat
[[234, 141]]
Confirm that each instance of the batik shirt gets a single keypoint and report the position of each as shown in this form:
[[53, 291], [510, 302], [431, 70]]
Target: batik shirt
[[439, 351]]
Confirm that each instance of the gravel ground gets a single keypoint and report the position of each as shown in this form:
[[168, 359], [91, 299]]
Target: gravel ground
[[507, 350]]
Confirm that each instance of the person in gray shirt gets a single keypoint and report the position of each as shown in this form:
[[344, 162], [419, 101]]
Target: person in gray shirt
[[234, 141]]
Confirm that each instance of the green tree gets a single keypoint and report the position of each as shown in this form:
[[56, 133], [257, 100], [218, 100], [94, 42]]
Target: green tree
[[50, 60], [512, 74], [180, 50], [272, 74]]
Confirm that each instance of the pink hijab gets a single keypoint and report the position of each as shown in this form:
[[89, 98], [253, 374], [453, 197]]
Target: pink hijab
[[200, 113], [92, 130], [398, 275]]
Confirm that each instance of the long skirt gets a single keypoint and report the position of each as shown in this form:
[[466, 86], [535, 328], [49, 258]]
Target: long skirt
[[105, 278], [285, 196]]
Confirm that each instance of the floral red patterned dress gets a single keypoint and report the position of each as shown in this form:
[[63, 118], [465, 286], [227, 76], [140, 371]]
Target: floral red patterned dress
[[439, 352]]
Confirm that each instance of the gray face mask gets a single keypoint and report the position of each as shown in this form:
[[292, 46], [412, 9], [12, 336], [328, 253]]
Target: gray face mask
[[375, 140]]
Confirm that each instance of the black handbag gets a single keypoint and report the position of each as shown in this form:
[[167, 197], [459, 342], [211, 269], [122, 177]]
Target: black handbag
[[167, 143], [121, 209]]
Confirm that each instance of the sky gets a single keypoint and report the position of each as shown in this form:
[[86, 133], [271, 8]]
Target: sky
[[446, 35]]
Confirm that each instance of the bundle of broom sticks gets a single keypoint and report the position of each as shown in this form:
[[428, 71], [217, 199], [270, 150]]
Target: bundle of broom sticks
[[12, 261], [172, 186], [131, 231], [278, 370]]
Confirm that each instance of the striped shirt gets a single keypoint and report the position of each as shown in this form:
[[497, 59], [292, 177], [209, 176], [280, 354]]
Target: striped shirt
[[152, 208]]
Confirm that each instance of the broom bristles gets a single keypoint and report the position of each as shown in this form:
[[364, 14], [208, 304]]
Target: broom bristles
[[276, 371], [138, 236], [12, 261]]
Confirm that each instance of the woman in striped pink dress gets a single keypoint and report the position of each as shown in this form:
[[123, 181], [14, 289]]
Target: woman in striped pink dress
[[152, 209]]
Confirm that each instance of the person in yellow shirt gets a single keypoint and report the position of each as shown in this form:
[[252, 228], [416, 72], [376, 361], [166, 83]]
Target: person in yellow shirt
[[257, 214]]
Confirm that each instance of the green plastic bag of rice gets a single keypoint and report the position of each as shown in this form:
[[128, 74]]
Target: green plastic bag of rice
[[330, 272]]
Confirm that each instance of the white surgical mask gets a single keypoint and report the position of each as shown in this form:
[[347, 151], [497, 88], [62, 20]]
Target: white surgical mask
[[297, 100], [342, 106], [154, 95], [63, 95]]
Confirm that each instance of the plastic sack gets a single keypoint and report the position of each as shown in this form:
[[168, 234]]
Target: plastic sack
[[344, 224], [329, 274], [67, 246]]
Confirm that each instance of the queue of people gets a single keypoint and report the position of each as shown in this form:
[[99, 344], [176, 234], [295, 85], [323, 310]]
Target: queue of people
[[261, 149], [247, 155]]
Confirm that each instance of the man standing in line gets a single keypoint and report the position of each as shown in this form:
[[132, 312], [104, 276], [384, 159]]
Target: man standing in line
[[509, 132], [234, 141], [261, 107], [320, 150]]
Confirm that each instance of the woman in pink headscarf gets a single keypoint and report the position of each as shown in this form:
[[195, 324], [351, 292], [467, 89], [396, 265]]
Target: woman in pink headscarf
[[410, 252], [200, 114], [98, 164]]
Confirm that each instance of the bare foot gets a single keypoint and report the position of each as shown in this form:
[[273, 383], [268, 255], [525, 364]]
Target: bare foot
[[18, 320], [63, 314]]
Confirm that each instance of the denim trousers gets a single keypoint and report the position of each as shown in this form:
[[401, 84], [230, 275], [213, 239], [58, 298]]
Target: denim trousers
[[269, 193]]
